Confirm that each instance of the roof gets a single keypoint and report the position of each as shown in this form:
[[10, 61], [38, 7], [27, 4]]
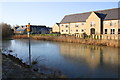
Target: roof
[[58, 24], [41, 26], [20, 29], [81, 17]]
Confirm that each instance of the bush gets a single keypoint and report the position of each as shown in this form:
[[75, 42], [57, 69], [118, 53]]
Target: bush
[[85, 35]]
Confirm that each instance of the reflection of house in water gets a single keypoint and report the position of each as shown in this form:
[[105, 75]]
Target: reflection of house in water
[[92, 55]]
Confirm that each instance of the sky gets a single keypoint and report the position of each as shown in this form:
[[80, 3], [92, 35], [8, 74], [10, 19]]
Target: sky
[[46, 13]]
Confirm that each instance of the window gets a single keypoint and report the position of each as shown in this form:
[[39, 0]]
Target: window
[[82, 23], [112, 31], [119, 22], [111, 23], [76, 25], [66, 26], [76, 30], [118, 31], [82, 30], [92, 24], [62, 30], [105, 31], [66, 30], [105, 22]]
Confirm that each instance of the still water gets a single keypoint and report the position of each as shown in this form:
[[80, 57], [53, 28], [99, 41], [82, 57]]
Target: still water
[[72, 59]]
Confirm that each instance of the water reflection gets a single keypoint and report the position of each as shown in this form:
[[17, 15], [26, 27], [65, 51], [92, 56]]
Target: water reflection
[[92, 55]]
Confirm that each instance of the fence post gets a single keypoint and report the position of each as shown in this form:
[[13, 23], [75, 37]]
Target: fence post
[[96, 36], [80, 36], [93, 36], [101, 36]]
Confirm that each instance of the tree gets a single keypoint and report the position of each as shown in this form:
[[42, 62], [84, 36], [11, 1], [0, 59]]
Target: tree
[[84, 35], [6, 30]]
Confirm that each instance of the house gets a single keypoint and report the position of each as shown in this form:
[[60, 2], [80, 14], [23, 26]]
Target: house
[[49, 29], [19, 29], [55, 28], [95, 22], [35, 29], [40, 29]]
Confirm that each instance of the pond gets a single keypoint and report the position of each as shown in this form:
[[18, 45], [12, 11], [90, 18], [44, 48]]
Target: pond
[[72, 59]]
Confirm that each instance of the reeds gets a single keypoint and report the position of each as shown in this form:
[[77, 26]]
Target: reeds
[[71, 39]]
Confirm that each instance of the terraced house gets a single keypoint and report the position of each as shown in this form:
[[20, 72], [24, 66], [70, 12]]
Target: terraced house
[[95, 22]]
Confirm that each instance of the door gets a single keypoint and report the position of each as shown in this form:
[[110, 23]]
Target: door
[[92, 31]]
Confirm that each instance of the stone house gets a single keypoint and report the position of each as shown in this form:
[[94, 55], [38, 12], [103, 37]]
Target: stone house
[[55, 28], [95, 22]]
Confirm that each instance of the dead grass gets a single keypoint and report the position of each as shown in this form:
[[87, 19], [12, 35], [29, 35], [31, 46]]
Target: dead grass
[[71, 39]]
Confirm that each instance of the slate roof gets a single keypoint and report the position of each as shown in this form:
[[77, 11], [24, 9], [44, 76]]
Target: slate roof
[[58, 24], [41, 26], [103, 14]]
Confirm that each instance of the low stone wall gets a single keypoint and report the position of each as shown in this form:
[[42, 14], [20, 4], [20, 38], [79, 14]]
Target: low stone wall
[[73, 39]]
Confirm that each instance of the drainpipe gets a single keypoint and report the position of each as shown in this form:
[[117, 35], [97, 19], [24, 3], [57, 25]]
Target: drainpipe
[[69, 28], [59, 28]]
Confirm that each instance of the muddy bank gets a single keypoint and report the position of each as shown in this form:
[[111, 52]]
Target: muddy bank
[[72, 39], [14, 68]]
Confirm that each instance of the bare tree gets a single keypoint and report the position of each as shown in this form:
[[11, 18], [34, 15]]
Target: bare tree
[[6, 30]]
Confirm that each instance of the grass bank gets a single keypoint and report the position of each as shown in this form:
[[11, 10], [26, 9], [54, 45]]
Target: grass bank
[[71, 39]]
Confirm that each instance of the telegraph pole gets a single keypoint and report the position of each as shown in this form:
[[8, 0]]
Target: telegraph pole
[[28, 31]]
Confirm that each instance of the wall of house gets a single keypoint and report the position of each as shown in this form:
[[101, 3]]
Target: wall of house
[[110, 24], [76, 28], [73, 28], [64, 29], [55, 28]]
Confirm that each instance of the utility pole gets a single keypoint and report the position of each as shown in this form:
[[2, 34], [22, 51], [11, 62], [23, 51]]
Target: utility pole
[[28, 31]]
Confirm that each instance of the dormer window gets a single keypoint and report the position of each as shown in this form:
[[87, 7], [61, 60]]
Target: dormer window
[[82, 23], [76, 25]]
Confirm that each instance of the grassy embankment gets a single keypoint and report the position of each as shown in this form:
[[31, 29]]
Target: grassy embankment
[[71, 39]]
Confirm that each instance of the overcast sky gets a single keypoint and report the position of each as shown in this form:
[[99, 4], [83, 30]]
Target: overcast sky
[[46, 13]]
